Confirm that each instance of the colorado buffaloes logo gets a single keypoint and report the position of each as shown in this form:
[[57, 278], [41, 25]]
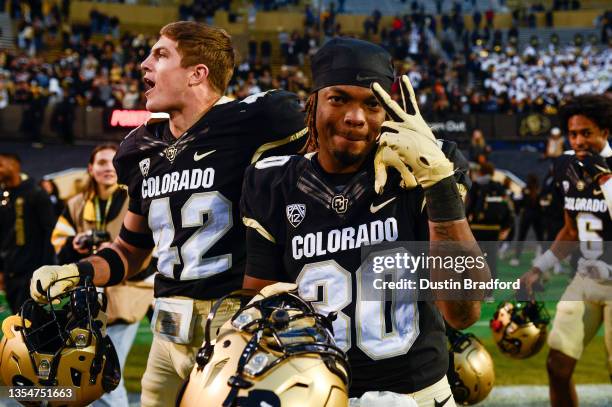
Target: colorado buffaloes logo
[[296, 214], [144, 166], [566, 186], [339, 203], [170, 153]]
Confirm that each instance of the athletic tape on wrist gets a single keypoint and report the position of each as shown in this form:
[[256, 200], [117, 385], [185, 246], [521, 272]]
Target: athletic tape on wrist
[[115, 264], [86, 270], [546, 261], [444, 202]]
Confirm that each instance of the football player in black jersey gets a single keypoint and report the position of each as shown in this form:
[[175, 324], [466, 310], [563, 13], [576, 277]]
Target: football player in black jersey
[[184, 175], [584, 180], [308, 217]]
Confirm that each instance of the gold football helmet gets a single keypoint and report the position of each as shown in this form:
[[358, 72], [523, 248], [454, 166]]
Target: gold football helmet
[[470, 373], [62, 343], [519, 328], [274, 352]]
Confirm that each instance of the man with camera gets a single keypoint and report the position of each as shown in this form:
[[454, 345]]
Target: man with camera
[[88, 224]]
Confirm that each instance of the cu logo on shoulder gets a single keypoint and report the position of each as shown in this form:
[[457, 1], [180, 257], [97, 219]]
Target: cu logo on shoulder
[[339, 203], [296, 214]]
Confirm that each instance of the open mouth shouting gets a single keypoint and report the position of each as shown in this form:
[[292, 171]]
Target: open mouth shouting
[[149, 86]]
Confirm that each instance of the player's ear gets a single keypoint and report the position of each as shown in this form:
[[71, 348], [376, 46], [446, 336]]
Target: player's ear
[[198, 75]]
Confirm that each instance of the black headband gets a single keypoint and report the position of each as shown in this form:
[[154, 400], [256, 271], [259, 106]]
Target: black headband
[[347, 61]]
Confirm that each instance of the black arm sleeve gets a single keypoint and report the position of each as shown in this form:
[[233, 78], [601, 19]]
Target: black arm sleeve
[[264, 258]]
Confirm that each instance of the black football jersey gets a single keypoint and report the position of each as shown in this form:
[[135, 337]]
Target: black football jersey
[[189, 187], [319, 228], [583, 200]]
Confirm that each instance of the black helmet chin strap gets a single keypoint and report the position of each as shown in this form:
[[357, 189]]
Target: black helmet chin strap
[[236, 382], [205, 352]]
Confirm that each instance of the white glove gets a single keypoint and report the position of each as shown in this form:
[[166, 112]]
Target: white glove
[[59, 278], [273, 289], [407, 141]]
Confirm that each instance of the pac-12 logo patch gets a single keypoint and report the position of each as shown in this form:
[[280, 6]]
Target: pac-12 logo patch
[[566, 186], [296, 214], [144, 166]]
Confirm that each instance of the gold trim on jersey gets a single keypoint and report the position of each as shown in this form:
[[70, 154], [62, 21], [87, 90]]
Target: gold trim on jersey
[[273, 144], [252, 223]]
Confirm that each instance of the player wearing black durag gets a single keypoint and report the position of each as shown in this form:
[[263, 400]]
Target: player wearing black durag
[[309, 216]]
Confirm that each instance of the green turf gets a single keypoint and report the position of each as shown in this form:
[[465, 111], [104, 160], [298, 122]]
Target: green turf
[[590, 369]]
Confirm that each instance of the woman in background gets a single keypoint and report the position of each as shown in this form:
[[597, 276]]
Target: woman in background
[[90, 221]]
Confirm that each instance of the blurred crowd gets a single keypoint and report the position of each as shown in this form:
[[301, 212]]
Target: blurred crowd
[[454, 70]]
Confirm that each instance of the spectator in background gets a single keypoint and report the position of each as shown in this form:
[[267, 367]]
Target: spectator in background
[[62, 117], [489, 17], [477, 19], [479, 150], [91, 220], [50, 187], [309, 17], [131, 97], [489, 213], [34, 114], [26, 222], [555, 145], [4, 95], [530, 217], [512, 198], [551, 201]]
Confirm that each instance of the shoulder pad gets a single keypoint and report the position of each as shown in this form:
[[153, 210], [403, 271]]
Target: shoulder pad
[[271, 171], [261, 202]]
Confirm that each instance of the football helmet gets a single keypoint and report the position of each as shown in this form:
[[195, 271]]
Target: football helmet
[[62, 343], [470, 373], [274, 352], [519, 328]]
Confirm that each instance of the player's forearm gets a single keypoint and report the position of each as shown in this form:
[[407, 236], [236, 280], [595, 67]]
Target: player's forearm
[[132, 260], [455, 238], [460, 308], [460, 314], [565, 242]]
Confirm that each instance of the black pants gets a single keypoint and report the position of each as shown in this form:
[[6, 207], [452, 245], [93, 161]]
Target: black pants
[[553, 226], [529, 220], [17, 291]]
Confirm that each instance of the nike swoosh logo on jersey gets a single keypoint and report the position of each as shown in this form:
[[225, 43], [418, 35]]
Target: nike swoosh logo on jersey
[[597, 192], [376, 208], [441, 403], [198, 157]]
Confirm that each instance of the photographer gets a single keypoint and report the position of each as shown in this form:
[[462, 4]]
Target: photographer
[[89, 223]]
